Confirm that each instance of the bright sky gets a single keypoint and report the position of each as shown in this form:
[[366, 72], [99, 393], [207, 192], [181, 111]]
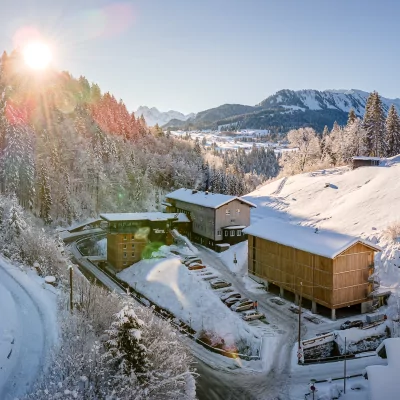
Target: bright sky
[[190, 55]]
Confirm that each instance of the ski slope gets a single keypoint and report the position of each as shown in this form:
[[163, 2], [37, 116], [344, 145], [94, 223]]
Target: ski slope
[[361, 202]]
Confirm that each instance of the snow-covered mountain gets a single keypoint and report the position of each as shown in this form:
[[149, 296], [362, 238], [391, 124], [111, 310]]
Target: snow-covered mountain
[[154, 116], [342, 100]]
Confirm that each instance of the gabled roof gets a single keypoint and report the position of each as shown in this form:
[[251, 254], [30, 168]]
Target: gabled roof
[[321, 242], [205, 199]]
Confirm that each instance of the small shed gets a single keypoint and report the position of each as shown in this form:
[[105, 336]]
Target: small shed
[[361, 161]]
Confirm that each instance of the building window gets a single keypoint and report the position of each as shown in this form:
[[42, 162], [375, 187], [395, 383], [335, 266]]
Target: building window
[[124, 263], [124, 255], [133, 254], [218, 233], [238, 211], [239, 233], [125, 238], [227, 212], [232, 232], [226, 233], [124, 246], [133, 245]]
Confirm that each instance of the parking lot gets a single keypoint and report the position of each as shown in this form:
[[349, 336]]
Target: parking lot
[[247, 308]]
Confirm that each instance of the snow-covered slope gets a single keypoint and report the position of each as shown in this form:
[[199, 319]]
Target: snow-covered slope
[[361, 202], [342, 100], [154, 116]]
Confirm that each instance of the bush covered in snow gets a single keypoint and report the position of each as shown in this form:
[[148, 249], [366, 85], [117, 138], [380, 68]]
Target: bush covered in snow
[[23, 240], [392, 232]]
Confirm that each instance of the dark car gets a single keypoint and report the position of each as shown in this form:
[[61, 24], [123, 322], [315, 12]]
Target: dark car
[[352, 324]]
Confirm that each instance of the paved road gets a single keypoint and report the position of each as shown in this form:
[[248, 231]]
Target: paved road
[[28, 339]]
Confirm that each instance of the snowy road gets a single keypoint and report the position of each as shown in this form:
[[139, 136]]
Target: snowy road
[[27, 330]]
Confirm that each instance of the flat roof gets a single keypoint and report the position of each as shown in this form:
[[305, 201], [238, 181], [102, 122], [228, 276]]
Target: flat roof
[[320, 242], [205, 199], [146, 216], [366, 158]]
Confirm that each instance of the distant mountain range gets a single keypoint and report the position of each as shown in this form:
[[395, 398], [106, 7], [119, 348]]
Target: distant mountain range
[[286, 109], [154, 116]]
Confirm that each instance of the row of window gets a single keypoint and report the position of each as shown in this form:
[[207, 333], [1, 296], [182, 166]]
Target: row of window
[[125, 246], [228, 211], [126, 255], [232, 233]]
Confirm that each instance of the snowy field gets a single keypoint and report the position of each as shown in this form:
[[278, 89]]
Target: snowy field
[[361, 202], [224, 142], [170, 284]]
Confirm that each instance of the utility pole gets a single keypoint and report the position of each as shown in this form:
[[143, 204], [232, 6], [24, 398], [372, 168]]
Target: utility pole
[[300, 350], [71, 304], [97, 193], [345, 351]]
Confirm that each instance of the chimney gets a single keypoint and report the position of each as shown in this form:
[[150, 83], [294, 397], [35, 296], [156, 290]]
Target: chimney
[[194, 191]]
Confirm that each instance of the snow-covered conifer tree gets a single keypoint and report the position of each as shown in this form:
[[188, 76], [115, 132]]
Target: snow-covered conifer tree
[[45, 196], [392, 132]]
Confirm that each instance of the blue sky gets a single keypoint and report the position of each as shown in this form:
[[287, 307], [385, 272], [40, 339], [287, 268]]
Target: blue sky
[[190, 55]]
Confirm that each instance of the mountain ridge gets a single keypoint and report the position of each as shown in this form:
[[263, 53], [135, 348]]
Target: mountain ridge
[[153, 116], [284, 110]]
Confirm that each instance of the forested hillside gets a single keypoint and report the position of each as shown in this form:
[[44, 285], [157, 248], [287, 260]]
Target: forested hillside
[[68, 151]]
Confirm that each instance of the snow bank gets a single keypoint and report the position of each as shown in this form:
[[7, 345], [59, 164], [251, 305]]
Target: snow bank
[[170, 284], [227, 257], [101, 247]]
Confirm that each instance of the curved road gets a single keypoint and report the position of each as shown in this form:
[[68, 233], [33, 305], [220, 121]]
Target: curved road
[[24, 337]]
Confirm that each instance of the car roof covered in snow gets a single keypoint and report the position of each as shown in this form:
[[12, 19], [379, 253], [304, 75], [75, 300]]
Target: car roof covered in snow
[[321, 242], [204, 199]]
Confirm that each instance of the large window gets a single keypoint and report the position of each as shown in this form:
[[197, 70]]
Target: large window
[[239, 233], [232, 232], [218, 233], [226, 233]]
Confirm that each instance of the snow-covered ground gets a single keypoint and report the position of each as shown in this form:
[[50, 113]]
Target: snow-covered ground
[[224, 142], [170, 284], [361, 202], [28, 328]]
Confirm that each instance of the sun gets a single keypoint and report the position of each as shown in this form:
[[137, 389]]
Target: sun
[[37, 55]]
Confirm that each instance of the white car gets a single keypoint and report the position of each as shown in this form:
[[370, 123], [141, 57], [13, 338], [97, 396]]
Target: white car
[[192, 260], [219, 283], [251, 315], [243, 305], [230, 295]]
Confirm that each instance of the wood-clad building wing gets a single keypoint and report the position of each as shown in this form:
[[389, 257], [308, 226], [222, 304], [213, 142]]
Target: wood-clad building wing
[[335, 278]]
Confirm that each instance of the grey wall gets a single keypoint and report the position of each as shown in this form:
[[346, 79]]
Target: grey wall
[[235, 218]]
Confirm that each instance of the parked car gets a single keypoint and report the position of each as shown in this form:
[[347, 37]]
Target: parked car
[[352, 324], [192, 260], [234, 294], [187, 258], [243, 305], [193, 267], [232, 301], [219, 283], [210, 277], [251, 315], [175, 252]]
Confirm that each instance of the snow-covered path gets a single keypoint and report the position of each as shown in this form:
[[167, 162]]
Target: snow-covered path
[[27, 330]]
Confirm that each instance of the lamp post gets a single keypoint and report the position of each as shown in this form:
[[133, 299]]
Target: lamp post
[[234, 258], [313, 388]]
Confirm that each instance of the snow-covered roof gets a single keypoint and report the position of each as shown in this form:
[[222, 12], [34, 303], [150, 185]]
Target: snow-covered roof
[[205, 199], [384, 380], [147, 216], [321, 242], [366, 158], [234, 227]]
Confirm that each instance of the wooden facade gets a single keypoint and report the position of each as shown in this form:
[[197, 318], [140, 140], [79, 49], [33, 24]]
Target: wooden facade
[[365, 162], [130, 234], [332, 282]]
